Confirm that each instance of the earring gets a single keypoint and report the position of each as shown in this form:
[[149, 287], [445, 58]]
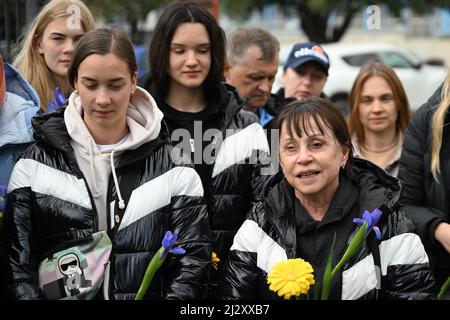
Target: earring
[[343, 165], [76, 92]]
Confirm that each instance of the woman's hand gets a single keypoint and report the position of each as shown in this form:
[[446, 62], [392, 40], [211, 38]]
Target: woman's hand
[[442, 234]]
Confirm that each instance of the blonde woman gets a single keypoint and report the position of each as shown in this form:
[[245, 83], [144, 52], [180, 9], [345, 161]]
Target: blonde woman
[[48, 44], [379, 115], [425, 175]]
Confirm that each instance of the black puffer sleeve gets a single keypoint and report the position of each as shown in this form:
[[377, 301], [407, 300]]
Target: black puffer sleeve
[[20, 259], [261, 165], [408, 274], [240, 279], [188, 274], [415, 170]]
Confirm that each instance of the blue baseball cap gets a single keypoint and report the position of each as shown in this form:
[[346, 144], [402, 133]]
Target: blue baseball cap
[[305, 52]]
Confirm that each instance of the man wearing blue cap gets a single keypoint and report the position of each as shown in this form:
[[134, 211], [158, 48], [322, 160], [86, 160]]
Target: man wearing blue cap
[[305, 71]]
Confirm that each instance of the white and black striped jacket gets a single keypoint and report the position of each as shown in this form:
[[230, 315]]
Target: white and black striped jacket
[[49, 204], [268, 236], [238, 173]]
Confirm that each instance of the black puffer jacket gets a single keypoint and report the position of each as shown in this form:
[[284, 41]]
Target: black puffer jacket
[[269, 236], [239, 169], [41, 215], [427, 201], [237, 180]]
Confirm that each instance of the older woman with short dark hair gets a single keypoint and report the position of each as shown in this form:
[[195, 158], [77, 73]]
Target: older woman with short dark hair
[[316, 195]]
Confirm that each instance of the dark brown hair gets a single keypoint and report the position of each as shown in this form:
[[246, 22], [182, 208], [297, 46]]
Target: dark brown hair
[[102, 41], [298, 116], [172, 17]]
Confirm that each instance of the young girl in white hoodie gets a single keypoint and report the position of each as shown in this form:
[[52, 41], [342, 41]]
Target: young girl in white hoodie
[[104, 164]]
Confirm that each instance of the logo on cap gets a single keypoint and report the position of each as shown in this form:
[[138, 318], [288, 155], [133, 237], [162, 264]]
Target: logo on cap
[[315, 51]]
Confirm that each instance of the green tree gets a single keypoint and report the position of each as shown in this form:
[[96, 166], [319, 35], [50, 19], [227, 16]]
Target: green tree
[[315, 15], [132, 11]]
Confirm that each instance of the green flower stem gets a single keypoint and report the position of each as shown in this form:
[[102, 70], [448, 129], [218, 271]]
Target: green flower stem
[[353, 247], [153, 266], [444, 288], [327, 274]]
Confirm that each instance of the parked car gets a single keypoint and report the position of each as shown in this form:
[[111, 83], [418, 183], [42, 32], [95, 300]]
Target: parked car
[[420, 74]]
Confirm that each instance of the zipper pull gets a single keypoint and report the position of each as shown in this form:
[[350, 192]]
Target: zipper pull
[[191, 141]]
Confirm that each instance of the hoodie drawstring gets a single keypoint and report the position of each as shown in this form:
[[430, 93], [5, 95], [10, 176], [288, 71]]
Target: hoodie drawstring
[[91, 162], [113, 169]]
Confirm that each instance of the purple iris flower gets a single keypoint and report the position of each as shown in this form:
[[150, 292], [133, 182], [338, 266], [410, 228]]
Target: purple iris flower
[[168, 243], [372, 219], [57, 102]]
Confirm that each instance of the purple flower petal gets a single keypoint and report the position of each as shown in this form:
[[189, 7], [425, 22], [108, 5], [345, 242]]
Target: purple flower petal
[[372, 219], [59, 97], [51, 107], [376, 215], [168, 243], [178, 250], [57, 101], [367, 217]]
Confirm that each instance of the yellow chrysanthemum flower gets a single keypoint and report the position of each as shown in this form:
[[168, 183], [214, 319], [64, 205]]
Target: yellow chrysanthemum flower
[[291, 278], [215, 260]]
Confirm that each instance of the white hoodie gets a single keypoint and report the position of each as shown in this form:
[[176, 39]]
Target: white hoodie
[[143, 120]]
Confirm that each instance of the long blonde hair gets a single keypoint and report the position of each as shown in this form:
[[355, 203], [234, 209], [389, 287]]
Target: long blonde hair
[[30, 62], [437, 128]]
